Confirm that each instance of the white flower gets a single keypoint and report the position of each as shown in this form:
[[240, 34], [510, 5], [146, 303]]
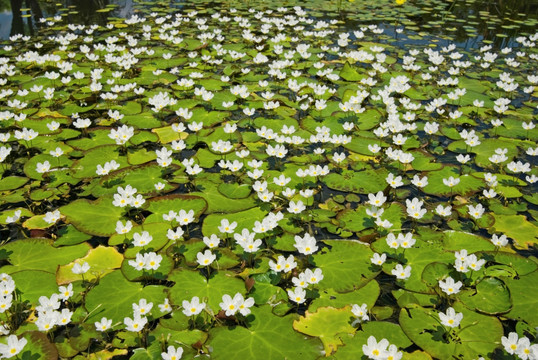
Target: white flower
[[296, 207], [142, 239], [443, 211], [451, 318], [449, 286], [361, 312], [123, 229], [172, 353], [142, 308], [165, 307], [377, 199], [420, 182], [305, 245], [451, 181], [226, 227], [135, 324], [80, 269], [377, 259], [297, 295], [400, 272], [65, 292], [499, 240], [194, 307], [375, 350], [13, 347], [103, 325], [476, 211], [313, 277], [206, 258], [43, 167]]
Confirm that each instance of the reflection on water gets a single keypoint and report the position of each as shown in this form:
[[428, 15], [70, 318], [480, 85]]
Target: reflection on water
[[467, 23], [22, 16]]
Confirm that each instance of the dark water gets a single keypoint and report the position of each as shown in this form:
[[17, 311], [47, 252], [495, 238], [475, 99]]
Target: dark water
[[469, 23]]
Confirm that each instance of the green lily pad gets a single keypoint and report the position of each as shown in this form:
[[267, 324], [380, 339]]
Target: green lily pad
[[478, 336], [491, 296], [346, 266], [524, 295], [38, 346], [102, 260], [191, 283], [32, 284], [516, 227], [114, 295], [97, 217], [23, 255], [269, 337], [367, 294], [327, 323]]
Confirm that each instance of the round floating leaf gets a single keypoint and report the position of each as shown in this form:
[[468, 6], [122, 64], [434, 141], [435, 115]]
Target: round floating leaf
[[102, 260], [97, 217], [33, 284], [367, 294], [167, 264], [516, 227], [479, 334], [328, 324], [219, 203], [234, 190], [114, 295], [346, 265], [38, 347], [4, 214], [39, 254], [457, 240], [143, 178], [163, 204], [245, 220], [86, 167], [69, 235], [364, 182], [380, 330], [36, 222], [524, 295], [418, 258], [158, 231], [12, 182], [491, 296], [468, 184], [268, 337], [192, 283]]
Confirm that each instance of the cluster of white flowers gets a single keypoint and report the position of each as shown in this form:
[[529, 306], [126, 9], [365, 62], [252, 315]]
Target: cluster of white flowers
[[465, 262], [514, 345], [126, 197], [122, 134], [381, 350], [236, 304]]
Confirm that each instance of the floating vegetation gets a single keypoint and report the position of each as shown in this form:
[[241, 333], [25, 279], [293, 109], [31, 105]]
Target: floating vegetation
[[263, 184]]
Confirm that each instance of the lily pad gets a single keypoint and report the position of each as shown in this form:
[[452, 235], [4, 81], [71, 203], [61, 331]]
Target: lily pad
[[269, 337], [328, 324], [346, 265]]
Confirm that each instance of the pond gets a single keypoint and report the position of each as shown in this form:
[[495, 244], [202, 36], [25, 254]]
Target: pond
[[269, 180]]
